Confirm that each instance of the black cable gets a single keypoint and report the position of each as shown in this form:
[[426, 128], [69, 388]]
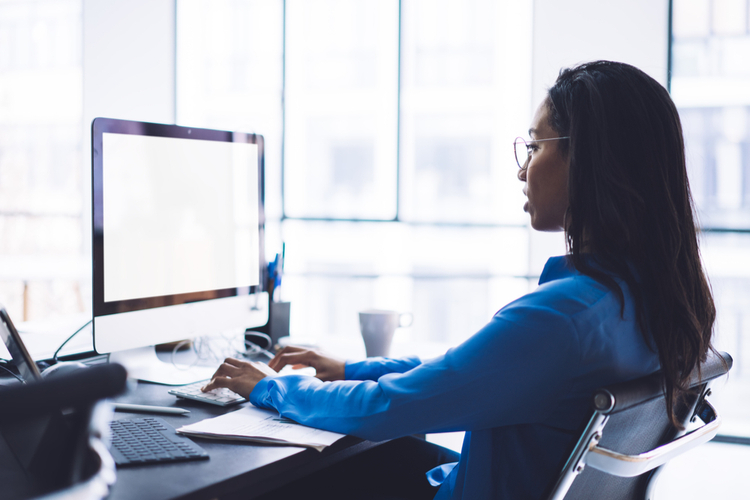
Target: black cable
[[54, 356], [253, 348], [11, 372]]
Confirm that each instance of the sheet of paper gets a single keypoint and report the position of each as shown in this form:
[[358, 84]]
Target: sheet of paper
[[256, 424]]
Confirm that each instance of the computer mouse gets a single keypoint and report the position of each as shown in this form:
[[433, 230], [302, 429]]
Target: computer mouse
[[62, 368]]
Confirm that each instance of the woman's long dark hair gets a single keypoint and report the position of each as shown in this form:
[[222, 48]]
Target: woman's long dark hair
[[630, 206]]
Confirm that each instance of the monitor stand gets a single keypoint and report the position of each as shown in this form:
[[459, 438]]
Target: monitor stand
[[143, 364]]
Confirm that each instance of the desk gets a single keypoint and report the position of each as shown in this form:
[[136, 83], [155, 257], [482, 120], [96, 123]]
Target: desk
[[234, 470]]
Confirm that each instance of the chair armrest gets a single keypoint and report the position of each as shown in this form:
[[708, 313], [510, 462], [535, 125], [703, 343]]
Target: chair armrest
[[98, 484], [80, 389], [622, 465]]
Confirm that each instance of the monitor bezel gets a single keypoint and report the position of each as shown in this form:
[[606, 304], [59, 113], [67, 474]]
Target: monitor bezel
[[100, 126]]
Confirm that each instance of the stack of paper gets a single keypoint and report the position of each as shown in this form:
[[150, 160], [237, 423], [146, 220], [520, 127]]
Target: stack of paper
[[262, 426]]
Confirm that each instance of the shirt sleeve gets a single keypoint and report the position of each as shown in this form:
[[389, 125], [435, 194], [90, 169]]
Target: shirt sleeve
[[512, 371], [374, 368]]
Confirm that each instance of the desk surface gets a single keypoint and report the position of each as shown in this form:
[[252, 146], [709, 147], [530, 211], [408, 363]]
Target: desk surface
[[234, 470]]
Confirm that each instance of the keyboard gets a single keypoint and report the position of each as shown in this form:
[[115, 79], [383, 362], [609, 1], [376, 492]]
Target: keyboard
[[150, 440], [221, 397]]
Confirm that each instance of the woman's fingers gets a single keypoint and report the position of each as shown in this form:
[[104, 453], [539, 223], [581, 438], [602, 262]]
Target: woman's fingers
[[230, 364], [304, 358], [235, 362], [229, 368], [283, 352], [243, 374], [238, 376], [326, 367], [217, 382]]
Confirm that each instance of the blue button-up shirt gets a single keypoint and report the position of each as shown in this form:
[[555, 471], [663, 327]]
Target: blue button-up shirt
[[520, 387]]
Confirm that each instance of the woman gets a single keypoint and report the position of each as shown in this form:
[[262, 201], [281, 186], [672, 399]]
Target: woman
[[605, 164]]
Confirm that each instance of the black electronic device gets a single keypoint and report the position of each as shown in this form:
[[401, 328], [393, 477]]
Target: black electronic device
[[21, 359], [45, 429], [150, 440], [38, 430]]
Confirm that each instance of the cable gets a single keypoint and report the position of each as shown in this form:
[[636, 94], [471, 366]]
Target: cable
[[54, 356], [258, 335], [253, 348], [215, 349], [177, 348], [11, 372], [206, 349]]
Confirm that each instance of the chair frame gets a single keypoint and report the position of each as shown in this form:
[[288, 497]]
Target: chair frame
[[78, 398], [96, 486], [588, 452]]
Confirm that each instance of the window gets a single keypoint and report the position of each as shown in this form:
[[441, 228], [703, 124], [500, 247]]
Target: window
[[710, 78], [455, 123], [41, 159], [445, 181], [399, 183], [341, 109]]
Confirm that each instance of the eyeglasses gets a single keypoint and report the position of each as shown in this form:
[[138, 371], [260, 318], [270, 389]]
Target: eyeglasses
[[525, 149]]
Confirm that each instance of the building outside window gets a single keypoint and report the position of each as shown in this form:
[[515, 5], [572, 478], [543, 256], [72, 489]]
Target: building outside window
[[709, 84], [42, 254], [399, 187]]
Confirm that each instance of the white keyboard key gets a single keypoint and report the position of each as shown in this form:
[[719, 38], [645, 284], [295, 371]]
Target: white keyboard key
[[220, 397]]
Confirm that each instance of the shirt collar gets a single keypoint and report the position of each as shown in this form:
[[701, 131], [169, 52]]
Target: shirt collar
[[557, 268]]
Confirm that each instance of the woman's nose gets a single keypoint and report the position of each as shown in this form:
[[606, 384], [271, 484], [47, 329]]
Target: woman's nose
[[522, 172]]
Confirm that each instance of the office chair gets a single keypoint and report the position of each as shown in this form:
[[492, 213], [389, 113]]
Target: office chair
[[631, 418], [53, 434]]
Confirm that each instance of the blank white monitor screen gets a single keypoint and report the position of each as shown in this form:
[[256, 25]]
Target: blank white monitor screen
[[179, 216], [177, 233]]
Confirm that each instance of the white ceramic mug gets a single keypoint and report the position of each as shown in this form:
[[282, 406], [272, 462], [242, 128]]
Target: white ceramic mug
[[378, 327]]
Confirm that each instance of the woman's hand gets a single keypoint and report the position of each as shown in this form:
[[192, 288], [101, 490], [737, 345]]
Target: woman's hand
[[239, 376], [326, 367]]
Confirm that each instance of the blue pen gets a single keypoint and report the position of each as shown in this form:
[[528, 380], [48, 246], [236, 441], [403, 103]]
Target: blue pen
[[273, 277]]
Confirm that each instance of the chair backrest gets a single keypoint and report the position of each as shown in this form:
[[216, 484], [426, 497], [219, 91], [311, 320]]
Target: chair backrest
[[630, 436], [51, 435]]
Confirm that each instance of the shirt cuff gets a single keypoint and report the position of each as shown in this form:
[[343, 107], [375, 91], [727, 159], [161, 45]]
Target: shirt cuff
[[367, 369], [439, 474], [259, 395], [349, 370]]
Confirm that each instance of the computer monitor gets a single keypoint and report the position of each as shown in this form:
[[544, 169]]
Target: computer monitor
[[177, 240]]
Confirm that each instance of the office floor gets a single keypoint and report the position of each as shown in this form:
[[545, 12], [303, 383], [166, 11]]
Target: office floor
[[712, 471]]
